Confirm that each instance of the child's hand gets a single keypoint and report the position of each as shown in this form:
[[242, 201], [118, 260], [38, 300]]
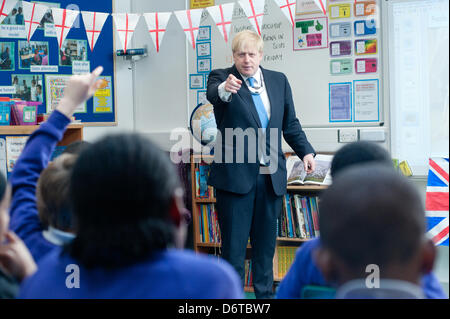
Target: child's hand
[[15, 258], [80, 89]]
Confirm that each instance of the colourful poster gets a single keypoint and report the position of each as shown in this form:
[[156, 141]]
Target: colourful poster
[[196, 4], [340, 11], [340, 29], [366, 65], [310, 33], [365, 8], [340, 48], [341, 66], [103, 97], [54, 85], [365, 27], [340, 102], [366, 46]]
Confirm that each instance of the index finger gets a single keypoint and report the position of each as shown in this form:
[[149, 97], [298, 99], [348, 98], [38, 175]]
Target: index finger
[[97, 72]]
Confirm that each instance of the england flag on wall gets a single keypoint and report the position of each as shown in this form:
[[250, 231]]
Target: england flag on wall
[[437, 201]]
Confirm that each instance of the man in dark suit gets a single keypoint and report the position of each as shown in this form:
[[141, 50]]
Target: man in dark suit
[[252, 107]]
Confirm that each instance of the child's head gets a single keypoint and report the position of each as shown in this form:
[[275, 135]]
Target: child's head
[[373, 215], [76, 147], [5, 198], [124, 190], [52, 194], [358, 153]]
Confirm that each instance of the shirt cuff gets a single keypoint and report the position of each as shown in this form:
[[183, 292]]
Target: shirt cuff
[[224, 95]]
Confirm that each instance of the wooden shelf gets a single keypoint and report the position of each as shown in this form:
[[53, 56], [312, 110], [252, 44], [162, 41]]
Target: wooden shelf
[[27, 129], [205, 200], [208, 245], [294, 240]]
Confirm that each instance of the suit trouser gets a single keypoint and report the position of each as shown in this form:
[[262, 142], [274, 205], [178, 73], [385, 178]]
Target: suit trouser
[[253, 214]]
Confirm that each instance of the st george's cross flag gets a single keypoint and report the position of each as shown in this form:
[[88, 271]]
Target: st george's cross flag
[[437, 201]]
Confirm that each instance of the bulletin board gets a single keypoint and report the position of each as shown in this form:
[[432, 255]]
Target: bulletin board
[[98, 111], [330, 87]]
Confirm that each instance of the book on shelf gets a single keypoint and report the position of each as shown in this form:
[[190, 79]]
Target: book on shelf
[[285, 258], [208, 224], [248, 280], [202, 189], [299, 218], [297, 175]]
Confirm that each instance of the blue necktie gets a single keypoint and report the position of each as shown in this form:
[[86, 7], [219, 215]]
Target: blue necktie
[[259, 105]]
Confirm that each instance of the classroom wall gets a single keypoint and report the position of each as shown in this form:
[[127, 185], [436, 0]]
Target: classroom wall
[[138, 86], [124, 92]]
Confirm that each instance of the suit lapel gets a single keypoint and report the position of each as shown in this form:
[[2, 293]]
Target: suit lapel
[[245, 94]]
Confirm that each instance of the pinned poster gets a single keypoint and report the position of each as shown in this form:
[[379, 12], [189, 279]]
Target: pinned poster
[[340, 102], [254, 10], [190, 22], [310, 33], [366, 46], [6, 7], [339, 11], [367, 100], [93, 22], [64, 20], [366, 65], [340, 30], [288, 8], [365, 27], [306, 7], [365, 8], [340, 48], [341, 66], [125, 26], [222, 16], [32, 14], [156, 23]]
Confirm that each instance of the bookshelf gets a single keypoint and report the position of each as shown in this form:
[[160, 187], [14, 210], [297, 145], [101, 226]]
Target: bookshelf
[[73, 133], [286, 243]]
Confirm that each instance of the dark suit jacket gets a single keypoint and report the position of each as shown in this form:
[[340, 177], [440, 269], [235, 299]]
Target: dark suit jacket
[[240, 112]]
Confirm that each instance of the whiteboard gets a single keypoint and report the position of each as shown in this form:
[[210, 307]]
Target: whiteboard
[[308, 71], [419, 83]]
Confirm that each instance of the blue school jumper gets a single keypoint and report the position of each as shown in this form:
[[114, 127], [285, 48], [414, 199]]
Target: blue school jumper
[[35, 156], [304, 272], [166, 274]]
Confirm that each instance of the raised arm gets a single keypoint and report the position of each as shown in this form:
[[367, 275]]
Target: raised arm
[[36, 154]]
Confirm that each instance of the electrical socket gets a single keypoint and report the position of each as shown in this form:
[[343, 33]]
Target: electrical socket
[[347, 135]]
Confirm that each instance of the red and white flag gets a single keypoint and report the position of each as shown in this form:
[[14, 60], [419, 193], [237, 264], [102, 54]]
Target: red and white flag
[[157, 23], [190, 22], [125, 25], [32, 14], [64, 20], [93, 23], [6, 7], [254, 10], [222, 16], [288, 8], [322, 4]]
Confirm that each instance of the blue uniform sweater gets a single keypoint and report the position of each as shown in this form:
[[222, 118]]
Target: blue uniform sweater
[[35, 156], [304, 272], [167, 274]]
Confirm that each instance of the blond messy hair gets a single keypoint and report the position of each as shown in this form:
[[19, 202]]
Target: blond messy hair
[[247, 39]]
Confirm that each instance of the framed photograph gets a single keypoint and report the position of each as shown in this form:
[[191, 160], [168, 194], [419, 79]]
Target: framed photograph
[[73, 50], [204, 33], [33, 53], [7, 54], [48, 17], [204, 49], [196, 81], [204, 65], [15, 17], [29, 87]]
